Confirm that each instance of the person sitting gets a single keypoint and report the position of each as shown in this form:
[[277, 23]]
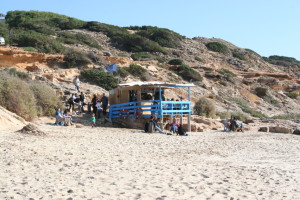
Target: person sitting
[[240, 126], [174, 126], [227, 124], [233, 124], [181, 131], [67, 117], [59, 119], [156, 126]]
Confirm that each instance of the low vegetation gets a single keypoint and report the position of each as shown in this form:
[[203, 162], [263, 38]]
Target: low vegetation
[[238, 55], [26, 98], [101, 78], [39, 41], [78, 38], [76, 58], [138, 71], [142, 56], [289, 116], [188, 73], [217, 47], [205, 107], [164, 37], [271, 100], [227, 75], [282, 61], [261, 91], [175, 61], [245, 108], [292, 95]]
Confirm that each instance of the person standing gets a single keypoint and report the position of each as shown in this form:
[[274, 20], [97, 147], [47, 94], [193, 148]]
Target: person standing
[[98, 106], [94, 102], [81, 97], [93, 120], [104, 101], [76, 82]]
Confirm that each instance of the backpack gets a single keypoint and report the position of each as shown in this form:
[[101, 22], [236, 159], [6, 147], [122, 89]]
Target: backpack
[[148, 127], [181, 131]]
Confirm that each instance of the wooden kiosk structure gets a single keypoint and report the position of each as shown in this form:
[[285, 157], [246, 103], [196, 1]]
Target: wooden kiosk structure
[[138, 101]]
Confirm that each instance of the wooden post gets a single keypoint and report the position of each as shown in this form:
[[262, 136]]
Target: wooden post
[[160, 108], [189, 117]]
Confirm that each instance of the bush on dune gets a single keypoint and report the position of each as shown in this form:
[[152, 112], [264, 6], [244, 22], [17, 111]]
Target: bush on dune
[[27, 99]]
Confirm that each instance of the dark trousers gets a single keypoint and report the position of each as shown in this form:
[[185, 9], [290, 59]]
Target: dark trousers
[[104, 110]]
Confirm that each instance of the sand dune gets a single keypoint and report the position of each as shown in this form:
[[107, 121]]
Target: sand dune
[[111, 163]]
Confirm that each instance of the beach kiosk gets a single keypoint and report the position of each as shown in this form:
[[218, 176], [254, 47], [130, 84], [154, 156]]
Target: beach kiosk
[[134, 103]]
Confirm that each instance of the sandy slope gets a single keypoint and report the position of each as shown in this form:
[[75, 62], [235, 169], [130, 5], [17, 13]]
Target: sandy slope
[[110, 163]]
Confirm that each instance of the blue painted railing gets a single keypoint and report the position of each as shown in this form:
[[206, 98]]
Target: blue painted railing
[[146, 109]]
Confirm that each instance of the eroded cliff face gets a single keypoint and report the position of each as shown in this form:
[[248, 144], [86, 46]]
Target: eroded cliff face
[[16, 57]]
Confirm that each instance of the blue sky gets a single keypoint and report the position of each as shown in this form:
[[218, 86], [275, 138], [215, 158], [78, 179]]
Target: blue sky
[[269, 27]]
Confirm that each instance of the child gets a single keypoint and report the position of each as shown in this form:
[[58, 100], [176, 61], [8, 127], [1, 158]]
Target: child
[[93, 120]]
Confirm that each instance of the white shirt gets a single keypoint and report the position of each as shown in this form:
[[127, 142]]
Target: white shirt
[[98, 105]]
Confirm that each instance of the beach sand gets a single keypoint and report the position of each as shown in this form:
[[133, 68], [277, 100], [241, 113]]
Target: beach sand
[[113, 163]]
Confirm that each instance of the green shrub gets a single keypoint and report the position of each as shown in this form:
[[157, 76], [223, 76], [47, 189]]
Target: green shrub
[[160, 59], [95, 58], [164, 37], [4, 31], [271, 100], [36, 40], [245, 108], [289, 116], [188, 73], [26, 98], [78, 38], [217, 47], [238, 55], [124, 40], [292, 95], [261, 92], [142, 56], [136, 43], [227, 75], [176, 53], [76, 58], [198, 59], [251, 51], [25, 19], [30, 49], [282, 61], [46, 99], [17, 97], [103, 79], [137, 70], [175, 61], [224, 83], [123, 72], [205, 107], [15, 73]]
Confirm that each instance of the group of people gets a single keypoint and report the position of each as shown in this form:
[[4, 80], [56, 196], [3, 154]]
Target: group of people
[[175, 127], [96, 107], [63, 118], [233, 125]]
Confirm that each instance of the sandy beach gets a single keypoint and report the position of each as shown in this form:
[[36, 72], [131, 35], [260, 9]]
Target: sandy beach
[[112, 163]]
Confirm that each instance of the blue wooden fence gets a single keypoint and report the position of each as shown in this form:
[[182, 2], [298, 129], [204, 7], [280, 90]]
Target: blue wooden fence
[[146, 109]]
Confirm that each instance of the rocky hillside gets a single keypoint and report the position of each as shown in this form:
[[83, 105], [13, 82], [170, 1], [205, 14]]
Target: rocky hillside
[[54, 48]]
